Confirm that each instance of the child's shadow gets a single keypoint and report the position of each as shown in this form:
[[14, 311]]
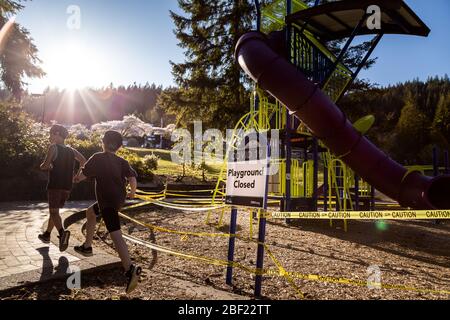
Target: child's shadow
[[60, 288]]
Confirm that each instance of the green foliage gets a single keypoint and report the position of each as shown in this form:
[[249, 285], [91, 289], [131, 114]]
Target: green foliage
[[87, 146], [23, 142], [144, 167], [441, 124], [150, 162], [211, 86], [209, 81], [203, 168], [412, 123], [18, 58], [410, 118]]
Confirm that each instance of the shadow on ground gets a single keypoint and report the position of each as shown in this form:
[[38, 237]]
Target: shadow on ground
[[418, 240]]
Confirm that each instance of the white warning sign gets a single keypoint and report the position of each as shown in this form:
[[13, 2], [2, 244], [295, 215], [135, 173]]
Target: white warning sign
[[247, 183]]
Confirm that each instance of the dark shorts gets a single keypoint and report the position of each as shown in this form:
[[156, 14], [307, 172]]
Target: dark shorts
[[57, 198], [110, 217]]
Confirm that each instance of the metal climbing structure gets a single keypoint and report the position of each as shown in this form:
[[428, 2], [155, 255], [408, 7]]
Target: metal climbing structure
[[310, 176], [296, 185]]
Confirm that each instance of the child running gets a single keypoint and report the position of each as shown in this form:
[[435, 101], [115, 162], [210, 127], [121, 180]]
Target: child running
[[111, 174], [60, 164]]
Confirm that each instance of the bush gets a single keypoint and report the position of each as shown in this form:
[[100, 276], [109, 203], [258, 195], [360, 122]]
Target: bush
[[92, 144], [87, 146], [140, 165], [23, 141], [151, 162]]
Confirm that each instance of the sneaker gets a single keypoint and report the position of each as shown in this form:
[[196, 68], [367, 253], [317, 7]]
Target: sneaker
[[64, 241], [44, 237], [132, 278], [87, 252]]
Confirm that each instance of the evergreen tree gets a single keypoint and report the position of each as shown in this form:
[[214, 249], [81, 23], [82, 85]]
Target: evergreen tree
[[210, 82], [18, 54], [210, 86], [412, 132], [441, 124], [411, 117]]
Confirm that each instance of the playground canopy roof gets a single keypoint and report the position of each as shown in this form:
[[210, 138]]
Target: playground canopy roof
[[337, 20]]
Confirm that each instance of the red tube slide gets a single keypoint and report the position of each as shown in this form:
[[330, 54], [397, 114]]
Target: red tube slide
[[285, 82]]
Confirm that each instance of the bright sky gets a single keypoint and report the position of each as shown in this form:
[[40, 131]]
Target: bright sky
[[118, 41], [132, 41]]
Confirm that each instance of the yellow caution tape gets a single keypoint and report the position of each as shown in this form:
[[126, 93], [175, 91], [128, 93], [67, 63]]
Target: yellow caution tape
[[138, 205], [330, 279], [289, 276], [191, 201], [183, 233], [185, 207], [149, 192], [364, 215], [192, 191], [141, 197], [283, 273], [207, 260], [185, 195]]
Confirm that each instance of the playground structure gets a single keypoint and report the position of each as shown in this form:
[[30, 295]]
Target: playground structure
[[298, 83], [292, 67]]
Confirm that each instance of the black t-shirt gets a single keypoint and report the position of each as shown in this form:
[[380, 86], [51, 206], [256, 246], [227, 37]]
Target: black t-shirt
[[61, 176], [110, 172]]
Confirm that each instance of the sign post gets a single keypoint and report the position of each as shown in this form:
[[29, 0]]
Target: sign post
[[246, 183], [262, 233], [247, 186], [231, 246]]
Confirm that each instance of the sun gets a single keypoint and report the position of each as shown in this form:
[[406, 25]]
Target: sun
[[73, 66]]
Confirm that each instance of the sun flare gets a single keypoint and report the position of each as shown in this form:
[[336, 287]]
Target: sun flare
[[74, 66]]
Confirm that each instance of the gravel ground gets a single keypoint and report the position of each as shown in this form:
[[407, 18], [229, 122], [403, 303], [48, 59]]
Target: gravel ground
[[408, 253]]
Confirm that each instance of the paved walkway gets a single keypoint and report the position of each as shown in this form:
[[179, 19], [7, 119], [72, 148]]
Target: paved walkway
[[24, 258]]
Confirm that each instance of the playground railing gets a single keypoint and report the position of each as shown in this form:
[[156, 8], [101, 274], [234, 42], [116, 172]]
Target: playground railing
[[318, 63], [274, 13]]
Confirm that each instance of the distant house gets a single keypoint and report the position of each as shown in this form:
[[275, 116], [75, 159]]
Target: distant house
[[158, 139], [133, 141], [138, 133]]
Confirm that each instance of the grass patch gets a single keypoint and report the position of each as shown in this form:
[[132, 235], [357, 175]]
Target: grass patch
[[168, 168]]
